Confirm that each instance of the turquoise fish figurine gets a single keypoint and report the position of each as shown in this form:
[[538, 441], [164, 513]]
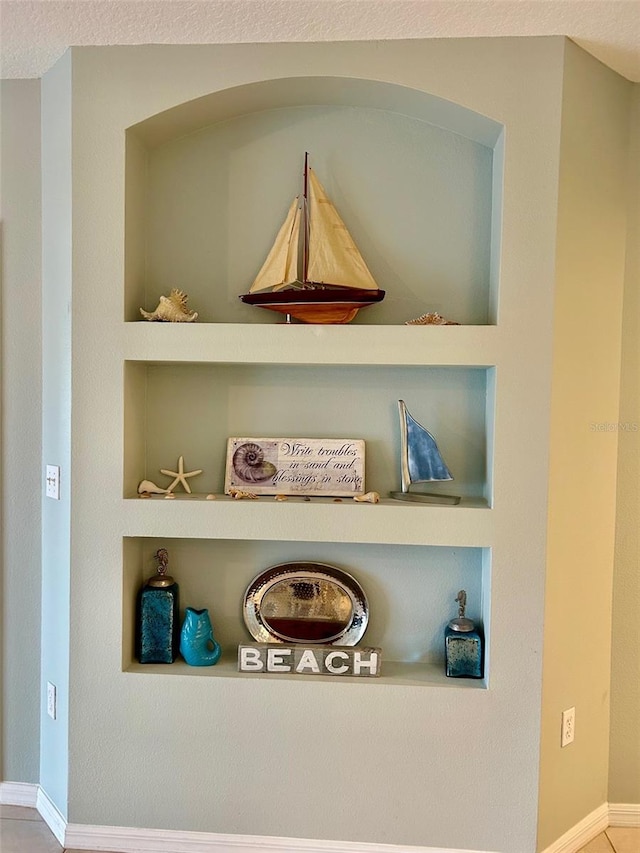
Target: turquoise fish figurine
[[197, 643]]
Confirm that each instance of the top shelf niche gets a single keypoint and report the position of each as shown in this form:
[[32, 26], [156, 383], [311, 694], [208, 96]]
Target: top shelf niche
[[415, 179]]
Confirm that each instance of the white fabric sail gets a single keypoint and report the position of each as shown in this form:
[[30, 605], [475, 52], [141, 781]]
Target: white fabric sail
[[291, 269], [333, 256], [281, 265]]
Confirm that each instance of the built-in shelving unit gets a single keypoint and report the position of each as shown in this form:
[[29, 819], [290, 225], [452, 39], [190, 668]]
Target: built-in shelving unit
[[202, 208]]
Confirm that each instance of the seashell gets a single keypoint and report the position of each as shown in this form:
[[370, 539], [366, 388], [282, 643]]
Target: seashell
[[144, 495], [238, 495], [250, 465], [211, 497], [150, 488], [281, 498], [172, 309], [169, 496], [431, 319], [370, 498]]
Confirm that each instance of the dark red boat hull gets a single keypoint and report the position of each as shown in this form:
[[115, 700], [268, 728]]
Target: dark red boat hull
[[316, 304]]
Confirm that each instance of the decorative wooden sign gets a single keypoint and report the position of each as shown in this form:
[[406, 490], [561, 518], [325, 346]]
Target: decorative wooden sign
[[330, 467], [261, 658]]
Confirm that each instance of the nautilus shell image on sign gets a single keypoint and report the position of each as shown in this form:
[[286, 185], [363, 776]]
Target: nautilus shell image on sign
[[254, 463]]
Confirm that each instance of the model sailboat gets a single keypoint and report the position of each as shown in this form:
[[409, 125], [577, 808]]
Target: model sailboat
[[420, 461], [314, 271]]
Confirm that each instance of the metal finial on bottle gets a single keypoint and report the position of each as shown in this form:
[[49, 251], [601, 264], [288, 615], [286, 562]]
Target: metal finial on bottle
[[162, 556], [461, 623], [161, 578]]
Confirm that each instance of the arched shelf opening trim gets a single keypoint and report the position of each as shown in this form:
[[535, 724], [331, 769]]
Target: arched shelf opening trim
[[192, 116]]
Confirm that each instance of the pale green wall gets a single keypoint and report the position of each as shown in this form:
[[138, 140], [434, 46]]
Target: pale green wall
[[624, 767], [56, 421], [20, 432], [592, 213]]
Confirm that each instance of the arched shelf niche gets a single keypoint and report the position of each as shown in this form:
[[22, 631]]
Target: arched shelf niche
[[416, 178]]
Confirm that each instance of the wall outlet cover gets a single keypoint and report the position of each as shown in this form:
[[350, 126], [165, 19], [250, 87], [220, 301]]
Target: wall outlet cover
[[568, 727]]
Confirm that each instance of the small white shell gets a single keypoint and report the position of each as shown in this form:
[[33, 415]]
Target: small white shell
[[370, 498], [172, 309], [146, 486], [169, 496], [211, 497]]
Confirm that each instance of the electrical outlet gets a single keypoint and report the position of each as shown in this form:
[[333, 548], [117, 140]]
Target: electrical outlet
[[568, 726], [51, 700], [52, 486]]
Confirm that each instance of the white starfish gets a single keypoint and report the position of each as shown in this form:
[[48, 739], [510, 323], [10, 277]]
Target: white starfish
[[180, 476]]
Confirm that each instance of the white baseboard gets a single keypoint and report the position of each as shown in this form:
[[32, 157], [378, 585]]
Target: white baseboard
[[120, 839], [51, 816], [624, 814], [123, 840], [19, 794], [582, 833]]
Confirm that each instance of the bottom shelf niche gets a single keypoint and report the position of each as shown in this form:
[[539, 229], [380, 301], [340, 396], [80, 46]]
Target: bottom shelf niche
[[410, 590]]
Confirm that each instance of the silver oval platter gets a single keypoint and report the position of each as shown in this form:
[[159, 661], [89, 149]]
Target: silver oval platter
[[306, 603]]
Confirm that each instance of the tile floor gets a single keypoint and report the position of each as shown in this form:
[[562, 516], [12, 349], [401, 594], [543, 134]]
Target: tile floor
[[22, 830], [616, 839]]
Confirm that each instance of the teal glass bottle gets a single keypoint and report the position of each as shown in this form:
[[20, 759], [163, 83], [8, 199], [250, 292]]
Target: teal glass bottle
[[158, 616], [463, 644]]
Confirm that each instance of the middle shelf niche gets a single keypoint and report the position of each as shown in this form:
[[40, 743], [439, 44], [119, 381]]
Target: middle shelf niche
[[174, 409]]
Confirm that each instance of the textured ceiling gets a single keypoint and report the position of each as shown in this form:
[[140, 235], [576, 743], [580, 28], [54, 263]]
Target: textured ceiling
[[34, 33]]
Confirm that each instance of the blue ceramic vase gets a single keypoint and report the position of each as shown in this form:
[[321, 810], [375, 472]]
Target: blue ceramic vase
[[197, 643]]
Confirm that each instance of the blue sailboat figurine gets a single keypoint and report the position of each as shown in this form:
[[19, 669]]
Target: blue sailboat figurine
[[420, 461]]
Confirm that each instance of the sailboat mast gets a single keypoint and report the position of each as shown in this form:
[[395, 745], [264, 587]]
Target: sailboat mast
[[305, 220]]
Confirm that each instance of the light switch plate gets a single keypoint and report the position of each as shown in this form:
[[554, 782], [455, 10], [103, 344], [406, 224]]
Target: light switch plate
[[51, 700], [52, 483]]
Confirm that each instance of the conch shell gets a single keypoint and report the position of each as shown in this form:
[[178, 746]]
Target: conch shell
[[369, 498], [147, 487], [172, 309], [431, 319]]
